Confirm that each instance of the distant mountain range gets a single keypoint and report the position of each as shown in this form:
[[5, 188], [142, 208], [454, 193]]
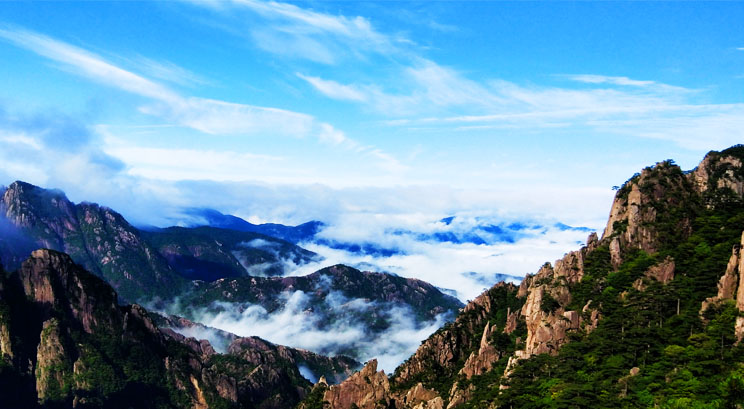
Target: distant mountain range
[[292, 234], [452, 229], [140, 264]]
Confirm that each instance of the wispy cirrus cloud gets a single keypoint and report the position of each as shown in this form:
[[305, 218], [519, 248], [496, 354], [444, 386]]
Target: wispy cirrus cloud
[[292, 31], [167, 71], [206, 115], [432, 87], [610, 105], [333, 89]]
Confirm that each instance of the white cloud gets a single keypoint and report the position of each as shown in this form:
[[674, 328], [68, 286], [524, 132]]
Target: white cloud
[[167, 71], [206, 115], [88, 64], [331, 135], [603, 79], [333, 89], [297, 324], [462, 267], [289, 30], [179, 164]]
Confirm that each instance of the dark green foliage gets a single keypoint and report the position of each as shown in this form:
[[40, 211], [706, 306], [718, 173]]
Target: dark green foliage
[[683, 361], [314, 399], [548, 304]]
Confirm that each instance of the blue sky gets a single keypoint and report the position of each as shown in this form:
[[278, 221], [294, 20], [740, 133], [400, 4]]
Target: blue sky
[[288, 112]]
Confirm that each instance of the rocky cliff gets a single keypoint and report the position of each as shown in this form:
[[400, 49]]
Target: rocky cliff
[[615, 323], [140, 265], [66, 342], [96, 237]]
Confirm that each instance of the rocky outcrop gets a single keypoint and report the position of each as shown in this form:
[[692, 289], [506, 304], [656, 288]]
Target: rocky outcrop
[[638, 205], [68, 343], [366, 389], [96, 237], [512, 321], [662, 272], [482, 361], [547, 295], [459, 395], [420, 397], [719, 170], [53, 366], [52, 280], [730, 287], [465, 347], [446, 349]]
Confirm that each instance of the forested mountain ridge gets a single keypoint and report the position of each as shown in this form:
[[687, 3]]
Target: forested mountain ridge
[[66, 342], [648, 315], [140, 265]]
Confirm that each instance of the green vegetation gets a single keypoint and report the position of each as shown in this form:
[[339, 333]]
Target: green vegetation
[[651, 348], [314, 400]]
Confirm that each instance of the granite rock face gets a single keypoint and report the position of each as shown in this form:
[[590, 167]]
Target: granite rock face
[[659, 197], [96, 237], [367, 389]]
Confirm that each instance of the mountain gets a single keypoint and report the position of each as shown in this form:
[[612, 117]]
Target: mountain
[[292, 234], [94, 236], [217, 276], [336, 299], [425, 300], [140, 265], [66, 342], [648, 315], [256, 350], [209, 253]]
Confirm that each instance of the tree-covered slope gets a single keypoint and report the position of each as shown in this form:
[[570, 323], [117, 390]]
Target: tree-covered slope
[[649, 315]]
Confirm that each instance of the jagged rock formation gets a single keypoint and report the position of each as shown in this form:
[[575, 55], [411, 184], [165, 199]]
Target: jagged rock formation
[[653, 193], [96, 237], [443, 353], [140, 265], [730, 287], [657, 218], [439, 359], [65, 342], [367, 389]]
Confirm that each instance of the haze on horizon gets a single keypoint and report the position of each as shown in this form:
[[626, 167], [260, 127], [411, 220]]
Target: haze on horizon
[[369, 116]]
